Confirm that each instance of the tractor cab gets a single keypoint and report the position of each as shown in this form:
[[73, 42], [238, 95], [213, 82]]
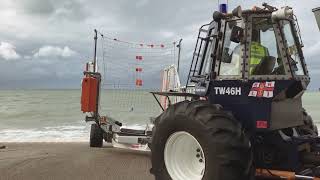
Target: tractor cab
[[251, 62]]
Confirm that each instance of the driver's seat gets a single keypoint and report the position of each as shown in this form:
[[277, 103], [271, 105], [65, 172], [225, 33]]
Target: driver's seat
[[265, 66]]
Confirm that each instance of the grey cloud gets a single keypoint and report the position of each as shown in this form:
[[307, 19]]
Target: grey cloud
[[60, 9], [62, 23], [71, 10], [38, 7]]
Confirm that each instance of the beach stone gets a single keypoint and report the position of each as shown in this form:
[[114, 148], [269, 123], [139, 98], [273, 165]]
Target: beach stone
[[2, 147]]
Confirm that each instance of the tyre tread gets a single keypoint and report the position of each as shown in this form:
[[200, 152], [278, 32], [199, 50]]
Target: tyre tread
[[96, 136], [222, 128]]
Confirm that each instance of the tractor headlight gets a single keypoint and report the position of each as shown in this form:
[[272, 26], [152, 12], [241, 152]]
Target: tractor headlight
[[282, 13]]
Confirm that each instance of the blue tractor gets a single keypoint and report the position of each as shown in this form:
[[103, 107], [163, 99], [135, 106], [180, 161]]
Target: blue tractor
[[244, 119]]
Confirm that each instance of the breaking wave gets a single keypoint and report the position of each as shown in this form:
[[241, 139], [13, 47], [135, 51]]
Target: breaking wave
[[51, 134]]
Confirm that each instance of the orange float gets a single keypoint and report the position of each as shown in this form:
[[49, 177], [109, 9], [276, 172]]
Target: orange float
[[89, 94]]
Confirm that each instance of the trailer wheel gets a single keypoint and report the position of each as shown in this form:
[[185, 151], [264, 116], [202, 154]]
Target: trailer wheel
[[96, 136], [198, 141], [309, 128]]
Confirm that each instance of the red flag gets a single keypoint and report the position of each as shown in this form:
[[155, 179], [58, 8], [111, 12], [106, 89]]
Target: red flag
[[138, 69], [139, 58], [138, 82]]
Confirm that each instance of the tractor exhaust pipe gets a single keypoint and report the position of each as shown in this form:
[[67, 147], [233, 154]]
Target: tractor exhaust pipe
[[316, 12]]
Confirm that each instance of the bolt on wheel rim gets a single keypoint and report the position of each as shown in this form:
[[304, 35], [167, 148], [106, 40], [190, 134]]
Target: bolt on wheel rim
[[184, 157]]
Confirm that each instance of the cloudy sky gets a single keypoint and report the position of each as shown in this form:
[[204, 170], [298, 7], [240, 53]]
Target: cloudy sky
[[45, 43]]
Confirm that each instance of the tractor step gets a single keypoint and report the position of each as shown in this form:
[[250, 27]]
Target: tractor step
[[134, 132]]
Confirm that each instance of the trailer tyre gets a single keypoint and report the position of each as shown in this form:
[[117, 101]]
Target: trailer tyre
[[198, 141], [96, 136]]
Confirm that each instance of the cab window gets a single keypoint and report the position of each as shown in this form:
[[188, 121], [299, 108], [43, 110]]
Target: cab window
[[293, 54], [231, 53], [265, 57]]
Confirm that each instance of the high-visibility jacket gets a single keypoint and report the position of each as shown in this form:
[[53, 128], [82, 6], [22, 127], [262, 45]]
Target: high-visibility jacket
[[257, 53]]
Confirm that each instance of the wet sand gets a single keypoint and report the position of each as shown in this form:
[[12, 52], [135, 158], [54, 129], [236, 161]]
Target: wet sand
[[35, 161]]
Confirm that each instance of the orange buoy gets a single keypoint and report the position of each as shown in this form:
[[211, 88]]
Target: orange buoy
[[89, 94]]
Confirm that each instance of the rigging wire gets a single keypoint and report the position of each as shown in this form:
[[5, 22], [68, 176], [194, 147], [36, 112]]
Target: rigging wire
[[142, 45], [103, 56], [120, 63]]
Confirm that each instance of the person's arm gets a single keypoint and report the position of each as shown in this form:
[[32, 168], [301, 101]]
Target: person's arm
[[226, 57]]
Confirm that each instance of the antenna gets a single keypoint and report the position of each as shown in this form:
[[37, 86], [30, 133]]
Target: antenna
[[95, 50]]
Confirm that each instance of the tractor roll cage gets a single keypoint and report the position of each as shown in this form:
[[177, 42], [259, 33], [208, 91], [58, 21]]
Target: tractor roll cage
[[215, 35]]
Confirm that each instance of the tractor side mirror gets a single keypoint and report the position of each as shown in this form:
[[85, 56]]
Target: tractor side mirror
[[316, 12], [236, 34]]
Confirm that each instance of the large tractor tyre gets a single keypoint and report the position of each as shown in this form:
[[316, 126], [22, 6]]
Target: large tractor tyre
[[309, 128], [96, 136], [198, 141]]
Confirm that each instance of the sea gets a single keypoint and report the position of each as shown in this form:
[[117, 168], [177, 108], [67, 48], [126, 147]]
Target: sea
[[55, 115]]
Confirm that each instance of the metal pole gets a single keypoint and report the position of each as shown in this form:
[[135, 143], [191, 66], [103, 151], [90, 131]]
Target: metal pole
[[174, 52], [179, 54], [98, 76], [95, 50]]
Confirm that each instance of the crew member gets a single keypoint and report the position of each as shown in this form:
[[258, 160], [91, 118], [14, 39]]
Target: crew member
[[257, 51]]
